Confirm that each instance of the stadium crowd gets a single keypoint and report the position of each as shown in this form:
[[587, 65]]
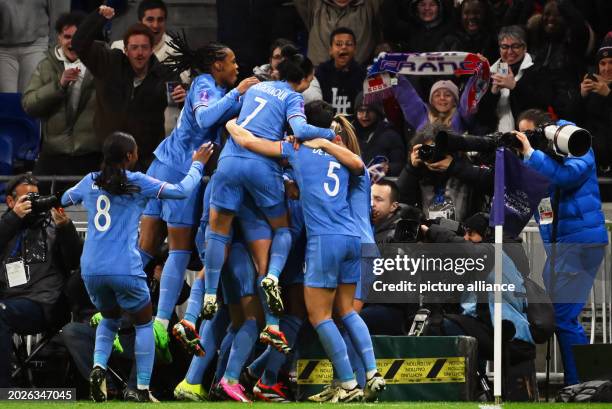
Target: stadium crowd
[[277, 261]]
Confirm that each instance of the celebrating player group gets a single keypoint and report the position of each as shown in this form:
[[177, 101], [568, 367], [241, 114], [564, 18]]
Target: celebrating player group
[[282, 229]]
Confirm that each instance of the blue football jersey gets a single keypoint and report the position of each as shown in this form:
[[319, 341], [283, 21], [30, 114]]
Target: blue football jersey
[[360, 203], [266, 109], [112, 224], [323, 184], [176, 150]]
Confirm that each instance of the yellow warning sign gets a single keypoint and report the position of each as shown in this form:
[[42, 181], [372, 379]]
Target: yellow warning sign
[[398, 371]]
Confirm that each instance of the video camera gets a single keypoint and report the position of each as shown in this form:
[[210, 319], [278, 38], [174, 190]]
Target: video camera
[[565, 139]]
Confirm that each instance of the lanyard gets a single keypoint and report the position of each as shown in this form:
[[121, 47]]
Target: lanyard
[[17, 245]]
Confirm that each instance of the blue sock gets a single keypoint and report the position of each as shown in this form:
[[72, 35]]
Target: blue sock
[[214, 259], [145, 257], [258, 366], [144, 351], [271, 319], [211, 335], [224, 351], [354, 358], [290, 325], [194, 304], [360, 335], [245, 339], [335, 349], [105, 335], [279, 250], [171, 282]]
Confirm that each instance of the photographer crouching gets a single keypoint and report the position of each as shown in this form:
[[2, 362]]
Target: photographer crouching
[[572, 217], [39, 245]]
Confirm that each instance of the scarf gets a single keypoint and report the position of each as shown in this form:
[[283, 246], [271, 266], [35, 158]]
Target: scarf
[[379, 82]]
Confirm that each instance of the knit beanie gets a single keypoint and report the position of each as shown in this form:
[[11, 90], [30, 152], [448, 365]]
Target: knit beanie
[[449, 85]]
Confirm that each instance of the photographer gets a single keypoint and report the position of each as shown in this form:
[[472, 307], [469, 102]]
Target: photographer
[[477, 307], [425, 185], [571, 216], [38, 247]]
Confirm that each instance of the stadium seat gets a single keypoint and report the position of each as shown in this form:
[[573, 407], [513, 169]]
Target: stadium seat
[[22, 131]]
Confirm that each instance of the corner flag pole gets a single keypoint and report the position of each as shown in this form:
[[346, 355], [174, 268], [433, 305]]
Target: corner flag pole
[[497, 220]]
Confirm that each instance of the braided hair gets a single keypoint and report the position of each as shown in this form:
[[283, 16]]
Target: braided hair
[[112, 176], [197, 61]]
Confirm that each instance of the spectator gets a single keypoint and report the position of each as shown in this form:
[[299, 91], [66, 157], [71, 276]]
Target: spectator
[[62, 94], [559, 39], [130, 87], [322, 17], [377, 137], [597, 105], [341, 77], [153, 14], [477, 31], [509, 13], [444, 107], [268, 72], [525, 86], [39, 248], [25, 28], [423, 185], [417, 26], [577, 223]]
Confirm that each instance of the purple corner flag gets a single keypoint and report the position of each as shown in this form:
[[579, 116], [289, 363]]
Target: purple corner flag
[[518, 191]]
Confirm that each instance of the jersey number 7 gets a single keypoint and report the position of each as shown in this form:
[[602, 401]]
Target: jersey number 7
[[262, 103]]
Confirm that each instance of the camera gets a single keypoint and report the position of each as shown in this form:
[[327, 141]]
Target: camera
[[41, 204], [565, 139], [431, 153]]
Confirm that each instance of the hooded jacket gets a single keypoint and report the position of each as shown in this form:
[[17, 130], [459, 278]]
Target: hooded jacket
[[321, 17], [65, 130]]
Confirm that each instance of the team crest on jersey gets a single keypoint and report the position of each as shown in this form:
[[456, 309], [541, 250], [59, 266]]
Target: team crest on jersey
[[204, 96]]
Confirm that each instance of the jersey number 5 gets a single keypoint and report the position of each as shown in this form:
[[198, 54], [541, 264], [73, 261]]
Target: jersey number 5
[[102, 210], [262, 103], [330, 173]]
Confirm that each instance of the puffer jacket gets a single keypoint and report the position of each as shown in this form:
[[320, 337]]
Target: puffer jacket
[[321, 17], [580, 218], [64, 130]]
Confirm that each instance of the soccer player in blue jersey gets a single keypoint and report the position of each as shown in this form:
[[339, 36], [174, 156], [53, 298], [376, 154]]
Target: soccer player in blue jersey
[[114, 199], [267, 108], [333, 249], [208, 106]]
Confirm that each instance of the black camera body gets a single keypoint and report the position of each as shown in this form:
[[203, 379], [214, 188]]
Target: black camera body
[[41, 204]]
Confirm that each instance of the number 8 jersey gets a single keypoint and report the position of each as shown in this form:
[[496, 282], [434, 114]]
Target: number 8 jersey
[[112, 223], [324, 185]]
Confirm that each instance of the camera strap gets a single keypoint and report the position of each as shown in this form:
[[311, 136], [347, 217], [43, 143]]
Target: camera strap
[[17, 246]]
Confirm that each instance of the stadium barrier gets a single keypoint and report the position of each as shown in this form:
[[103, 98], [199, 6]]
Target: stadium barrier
[[415, 368]]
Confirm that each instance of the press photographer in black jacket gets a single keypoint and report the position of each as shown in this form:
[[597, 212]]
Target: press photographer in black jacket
[[39, 246]]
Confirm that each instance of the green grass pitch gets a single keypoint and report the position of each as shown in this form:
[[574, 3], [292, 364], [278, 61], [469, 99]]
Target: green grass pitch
[[259, 405]]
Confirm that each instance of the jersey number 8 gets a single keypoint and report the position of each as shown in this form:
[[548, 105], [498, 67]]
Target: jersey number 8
[[102, 209]]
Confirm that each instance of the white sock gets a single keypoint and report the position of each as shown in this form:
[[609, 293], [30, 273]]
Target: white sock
[[370, 374], [163, 322], [273, 278], [210, 298], [142, 387], [348, 385]]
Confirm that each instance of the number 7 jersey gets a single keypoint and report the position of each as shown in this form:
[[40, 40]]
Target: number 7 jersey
[[324, 185], [112, 224]]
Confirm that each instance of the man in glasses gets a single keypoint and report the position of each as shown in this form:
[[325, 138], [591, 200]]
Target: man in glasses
[[130, 83], [341, 77]]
